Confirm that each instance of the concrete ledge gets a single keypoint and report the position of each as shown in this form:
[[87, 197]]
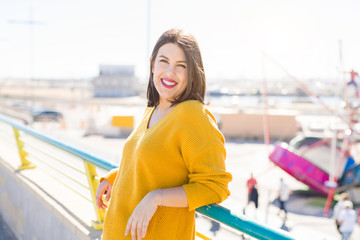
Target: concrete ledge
[[251, 126], [35, 206]]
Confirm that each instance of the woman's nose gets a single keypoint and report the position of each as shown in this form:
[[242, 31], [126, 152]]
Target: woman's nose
[[171, 69]]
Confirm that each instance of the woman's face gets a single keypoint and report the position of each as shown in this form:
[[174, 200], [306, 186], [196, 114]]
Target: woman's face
[[170, 72]]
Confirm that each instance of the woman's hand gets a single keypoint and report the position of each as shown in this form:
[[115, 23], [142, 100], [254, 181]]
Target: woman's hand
[[103, 188], [142, 214]]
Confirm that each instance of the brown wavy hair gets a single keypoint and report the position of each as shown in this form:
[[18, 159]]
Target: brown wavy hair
[[195, 89]]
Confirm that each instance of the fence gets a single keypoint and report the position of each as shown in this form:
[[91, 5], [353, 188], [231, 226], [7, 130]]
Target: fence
[[82, 179]]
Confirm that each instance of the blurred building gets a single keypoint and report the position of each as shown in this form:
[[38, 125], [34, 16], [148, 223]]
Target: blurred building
[[115, 81]]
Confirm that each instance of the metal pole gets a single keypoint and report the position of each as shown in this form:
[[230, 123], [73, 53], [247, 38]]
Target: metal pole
[[148, 33], [31, 55], [30, 22], [266, 124]]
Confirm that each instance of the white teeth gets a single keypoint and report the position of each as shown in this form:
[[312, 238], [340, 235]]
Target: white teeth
[[169, 83]]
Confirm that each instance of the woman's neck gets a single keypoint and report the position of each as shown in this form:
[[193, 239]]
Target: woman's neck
[[164, 106], [160, 111]]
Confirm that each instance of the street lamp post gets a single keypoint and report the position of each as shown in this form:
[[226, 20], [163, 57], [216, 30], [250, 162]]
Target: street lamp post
[[30, 22]]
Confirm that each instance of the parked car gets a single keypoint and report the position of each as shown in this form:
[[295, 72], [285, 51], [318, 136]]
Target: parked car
[[47, 115]]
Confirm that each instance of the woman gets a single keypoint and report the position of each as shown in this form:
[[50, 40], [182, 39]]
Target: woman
[[174, 161]]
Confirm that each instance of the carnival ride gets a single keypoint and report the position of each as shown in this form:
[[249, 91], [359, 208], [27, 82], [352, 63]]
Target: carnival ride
[[326, 164]]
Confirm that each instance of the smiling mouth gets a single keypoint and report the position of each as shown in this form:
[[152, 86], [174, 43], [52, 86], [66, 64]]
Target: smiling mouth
[[168, 83]]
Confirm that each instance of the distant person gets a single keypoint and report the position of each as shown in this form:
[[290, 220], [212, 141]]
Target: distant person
[[215, 227], [251, 185], [174, 160], [284, 194], [339, 206], [347, 220], [353, 77], [254, 196]]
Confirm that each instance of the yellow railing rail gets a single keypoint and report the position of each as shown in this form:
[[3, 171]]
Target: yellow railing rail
[[93, 183], [27, 145], [202, 236], [25, 163]]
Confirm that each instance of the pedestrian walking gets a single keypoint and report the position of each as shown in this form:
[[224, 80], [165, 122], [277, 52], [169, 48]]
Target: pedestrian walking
[[339, 206], [284, 194], [347, 220], [251, 185], [215, 227], [353, 81]]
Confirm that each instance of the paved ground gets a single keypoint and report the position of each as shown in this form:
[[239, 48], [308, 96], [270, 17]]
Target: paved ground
[[5, 232]]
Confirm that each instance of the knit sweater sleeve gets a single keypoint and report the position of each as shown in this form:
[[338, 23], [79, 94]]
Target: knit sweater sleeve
[[204, 154], [110, 176]]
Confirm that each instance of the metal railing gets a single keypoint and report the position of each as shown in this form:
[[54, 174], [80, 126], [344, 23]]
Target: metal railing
[[25, 140]]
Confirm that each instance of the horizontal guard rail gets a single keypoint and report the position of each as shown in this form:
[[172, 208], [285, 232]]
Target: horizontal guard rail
[[242, 224], [214, 211], [77, 152]]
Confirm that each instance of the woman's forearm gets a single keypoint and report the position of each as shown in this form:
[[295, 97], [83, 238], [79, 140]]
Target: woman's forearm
[[171, 197], [144, 211]]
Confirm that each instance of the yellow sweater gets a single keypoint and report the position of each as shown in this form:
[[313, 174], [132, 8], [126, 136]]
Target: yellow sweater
[[185, 148]]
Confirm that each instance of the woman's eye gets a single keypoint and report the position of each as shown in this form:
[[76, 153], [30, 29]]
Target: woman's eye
[[163, 60], [183, 66]]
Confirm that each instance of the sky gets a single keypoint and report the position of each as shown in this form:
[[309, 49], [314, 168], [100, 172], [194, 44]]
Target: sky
[[71, 38]]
